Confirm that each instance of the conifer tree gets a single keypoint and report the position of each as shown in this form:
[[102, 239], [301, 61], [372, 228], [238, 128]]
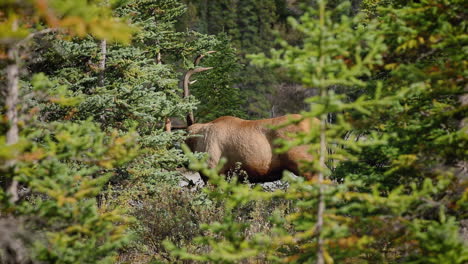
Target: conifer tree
[[62, 166], [108, 102], [250, 26], [347, 214]]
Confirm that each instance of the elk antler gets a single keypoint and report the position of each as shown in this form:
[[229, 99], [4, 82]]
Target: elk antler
[[187, 82]]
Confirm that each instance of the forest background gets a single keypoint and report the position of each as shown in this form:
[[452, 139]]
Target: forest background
[[89, 173]]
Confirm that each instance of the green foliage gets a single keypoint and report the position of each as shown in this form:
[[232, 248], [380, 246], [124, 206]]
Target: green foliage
[[229, 240], [215, 89], [98, 174], [66, 171], [139, 90], [84, 135], [439, 242], [173, 214], [78, 18], [250, 26], [393, 146], [100, 130], [64, 166]]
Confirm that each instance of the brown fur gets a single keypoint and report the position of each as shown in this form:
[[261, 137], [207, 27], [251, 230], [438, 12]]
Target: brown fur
[[251, 143]]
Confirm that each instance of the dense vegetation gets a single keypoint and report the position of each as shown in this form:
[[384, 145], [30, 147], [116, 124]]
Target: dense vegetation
[[89, 174]]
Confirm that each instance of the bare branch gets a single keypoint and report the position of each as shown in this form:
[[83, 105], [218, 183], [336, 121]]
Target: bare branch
[[35, 34]]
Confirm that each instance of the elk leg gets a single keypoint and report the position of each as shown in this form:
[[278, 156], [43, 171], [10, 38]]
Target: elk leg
[[294, 158], [204, 178], [212, 163]]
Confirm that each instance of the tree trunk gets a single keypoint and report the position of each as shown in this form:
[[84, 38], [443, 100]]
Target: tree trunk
[[323, 151], [321, 205], [11, 103], [102, 63]]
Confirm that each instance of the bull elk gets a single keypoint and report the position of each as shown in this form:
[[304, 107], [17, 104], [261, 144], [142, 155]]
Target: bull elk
[[248, 142], [251, 143]]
